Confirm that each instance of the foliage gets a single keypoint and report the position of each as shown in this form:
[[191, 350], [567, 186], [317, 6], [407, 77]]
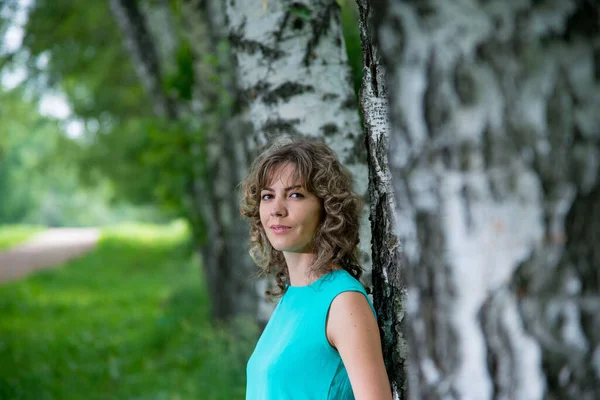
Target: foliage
[[39, 180], [352, 39], [130, 320], [77, 47], [11, 235], [146, 158], [85, 57], [28, 176]]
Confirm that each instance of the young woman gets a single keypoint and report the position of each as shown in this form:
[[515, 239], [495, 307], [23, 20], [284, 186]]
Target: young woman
[[322, 340]]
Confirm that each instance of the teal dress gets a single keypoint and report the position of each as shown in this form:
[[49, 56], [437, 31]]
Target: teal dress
[[293, 359]]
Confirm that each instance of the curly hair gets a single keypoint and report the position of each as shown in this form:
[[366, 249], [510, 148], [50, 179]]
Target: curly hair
[[319, 171]]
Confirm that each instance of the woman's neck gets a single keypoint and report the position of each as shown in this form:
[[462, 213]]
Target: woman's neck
[[298, 267]]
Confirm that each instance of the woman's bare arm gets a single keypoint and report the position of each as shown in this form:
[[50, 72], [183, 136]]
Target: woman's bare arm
[[352, 329]]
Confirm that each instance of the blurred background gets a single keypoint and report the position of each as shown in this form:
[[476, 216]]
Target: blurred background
[[83, 145], [125, 129]]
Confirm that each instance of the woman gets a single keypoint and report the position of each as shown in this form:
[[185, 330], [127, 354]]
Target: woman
[[322, 340]]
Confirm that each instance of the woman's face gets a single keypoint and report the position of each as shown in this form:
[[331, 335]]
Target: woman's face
[[289, 214]]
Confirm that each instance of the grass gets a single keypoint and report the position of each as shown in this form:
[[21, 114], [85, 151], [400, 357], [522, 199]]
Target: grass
[[128, 321], [12, 235]]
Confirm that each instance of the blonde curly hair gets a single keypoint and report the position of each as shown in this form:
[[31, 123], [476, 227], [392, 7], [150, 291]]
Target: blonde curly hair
[[319, 171]]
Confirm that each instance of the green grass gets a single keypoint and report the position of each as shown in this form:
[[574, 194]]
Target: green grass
[[128, 321], [12, 235]]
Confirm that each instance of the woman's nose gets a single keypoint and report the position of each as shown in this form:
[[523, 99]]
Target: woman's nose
[[278, 209]]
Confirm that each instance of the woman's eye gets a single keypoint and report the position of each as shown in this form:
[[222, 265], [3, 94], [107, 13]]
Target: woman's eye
[[297, 195], [265, 197]]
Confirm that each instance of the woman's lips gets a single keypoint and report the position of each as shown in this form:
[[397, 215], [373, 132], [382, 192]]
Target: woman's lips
[[280, 229]]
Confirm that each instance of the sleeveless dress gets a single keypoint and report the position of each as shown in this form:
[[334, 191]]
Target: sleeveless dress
[[293, 359]]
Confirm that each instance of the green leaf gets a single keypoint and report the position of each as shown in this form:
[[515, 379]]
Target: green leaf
[[300, 10]]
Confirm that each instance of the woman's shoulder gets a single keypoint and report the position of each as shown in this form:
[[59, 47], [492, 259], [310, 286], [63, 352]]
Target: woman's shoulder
[[340, 278], [345, 286], [328, 286]]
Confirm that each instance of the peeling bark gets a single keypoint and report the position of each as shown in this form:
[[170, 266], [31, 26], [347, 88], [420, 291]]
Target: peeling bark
[[495, 154], [388, 286]]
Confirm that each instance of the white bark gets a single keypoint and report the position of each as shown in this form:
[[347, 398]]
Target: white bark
[[294, 69], [494, 152], [389, 289], [225, 127]]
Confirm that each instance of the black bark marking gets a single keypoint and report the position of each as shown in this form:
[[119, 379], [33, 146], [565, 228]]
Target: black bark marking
[[349, 103], [286, 91], [466, 194], [251, 47], [359, 153], [582, 222], [560, 130], [298, 24], [281, 27], [435, 105], [424, 9], [495, 341], [447, 157], [329, 96], [299, 13], [329, 129], [464, 84], [279, 126], [542, 286], [465, 154], [495, 188], [433, 277], [252, 93], [320, 25], [597, 64], [397, 26], [585, 21], [487, 144]]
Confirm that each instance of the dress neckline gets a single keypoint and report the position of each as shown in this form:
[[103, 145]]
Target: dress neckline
[[311, 285]]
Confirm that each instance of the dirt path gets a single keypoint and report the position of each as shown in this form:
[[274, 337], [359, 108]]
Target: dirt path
[[45, 250]]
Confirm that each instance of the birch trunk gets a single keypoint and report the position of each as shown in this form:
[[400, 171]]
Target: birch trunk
[[144, 55], [388, 285], [495, 154], [219, 100], [210, 202], [294, 70]]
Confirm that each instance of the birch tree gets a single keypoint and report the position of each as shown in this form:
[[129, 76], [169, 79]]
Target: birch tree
[[495, 155], [388, 285], [293, 68], [218, 154]]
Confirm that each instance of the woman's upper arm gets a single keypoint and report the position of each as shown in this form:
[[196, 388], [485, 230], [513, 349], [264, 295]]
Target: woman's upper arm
[[352, 329]]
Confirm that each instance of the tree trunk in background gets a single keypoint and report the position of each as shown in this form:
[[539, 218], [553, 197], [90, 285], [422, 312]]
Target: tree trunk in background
[[294, 70], [144, 55], [162, 26], [232, 292], [211, 202], [495, 154], [388, 285]]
